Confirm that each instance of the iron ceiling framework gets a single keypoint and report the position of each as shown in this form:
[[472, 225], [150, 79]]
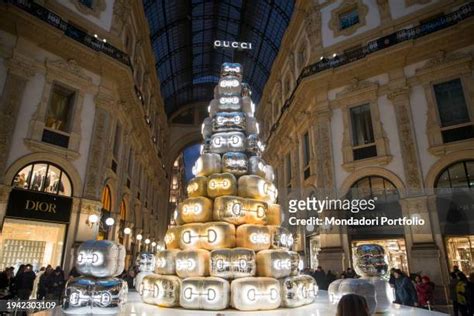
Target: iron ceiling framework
[[182, 35]]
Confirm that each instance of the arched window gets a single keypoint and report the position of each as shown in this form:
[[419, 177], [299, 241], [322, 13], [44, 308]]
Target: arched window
[[43, 177], [455, 206], [386, 198], [458, 175], [106, 210]]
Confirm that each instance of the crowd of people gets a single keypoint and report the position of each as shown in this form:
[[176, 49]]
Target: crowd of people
[[47, 283], [411, 290]]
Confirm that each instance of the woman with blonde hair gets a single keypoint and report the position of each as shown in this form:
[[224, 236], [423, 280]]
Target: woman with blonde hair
[[352, 305]]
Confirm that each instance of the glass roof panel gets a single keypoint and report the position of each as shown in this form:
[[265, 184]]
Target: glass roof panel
[[182, 34]]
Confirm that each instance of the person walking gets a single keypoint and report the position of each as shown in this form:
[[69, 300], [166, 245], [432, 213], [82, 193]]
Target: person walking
[[424, 292], [34, 292], [25, 284], [320, 278], [55, 285], [462, 293], [404, 289]]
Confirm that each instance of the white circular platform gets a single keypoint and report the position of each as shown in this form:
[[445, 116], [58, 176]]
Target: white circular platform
[[322, 307]]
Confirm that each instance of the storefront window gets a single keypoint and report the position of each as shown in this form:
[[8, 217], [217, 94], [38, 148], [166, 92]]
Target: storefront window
[[43, 177], [123, 219], [460, 252], [36, 243], [455, 205]]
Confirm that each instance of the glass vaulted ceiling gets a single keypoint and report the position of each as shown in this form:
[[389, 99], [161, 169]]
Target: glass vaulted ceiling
[[182, 34]]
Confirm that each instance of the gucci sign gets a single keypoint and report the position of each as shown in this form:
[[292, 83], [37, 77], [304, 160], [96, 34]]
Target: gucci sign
[[229, 44]]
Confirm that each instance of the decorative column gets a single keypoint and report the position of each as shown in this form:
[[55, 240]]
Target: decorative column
[[423, 252]]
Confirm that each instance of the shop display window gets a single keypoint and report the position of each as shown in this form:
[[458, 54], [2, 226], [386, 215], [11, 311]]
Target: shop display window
[[36, 243], [43, 177], [460, 252]]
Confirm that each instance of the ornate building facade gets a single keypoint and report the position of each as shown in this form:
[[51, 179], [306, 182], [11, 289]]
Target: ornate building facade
[[375, 99], [83, 132]]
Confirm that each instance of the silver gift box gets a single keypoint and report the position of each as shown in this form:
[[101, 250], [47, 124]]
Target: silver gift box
[[251, 294], [206, 128], [248, 107], [295, 263], [161, 290], [282, 238], [298, 291], [166, 261], [225, 142], [145, 261], [257, 166], [88, 295], [192, 263], [228, 122], [235, 163], [252, 145], [206, 146], [207, 163], [370, 260], [100, 258], [231, 69], [139, 278], [229, 85], [252, 186], [232, 263], [208, 293], [246, 91], [273, 263], [252, 126], [228, 103]]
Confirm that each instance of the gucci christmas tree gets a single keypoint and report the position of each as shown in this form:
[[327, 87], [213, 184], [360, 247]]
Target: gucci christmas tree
[[228, 248]]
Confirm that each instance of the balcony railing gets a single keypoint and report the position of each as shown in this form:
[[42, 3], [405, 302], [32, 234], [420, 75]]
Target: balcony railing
[[403, 35], [70, 31]]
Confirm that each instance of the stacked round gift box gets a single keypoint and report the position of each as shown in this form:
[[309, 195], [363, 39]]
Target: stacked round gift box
[[228, 249]]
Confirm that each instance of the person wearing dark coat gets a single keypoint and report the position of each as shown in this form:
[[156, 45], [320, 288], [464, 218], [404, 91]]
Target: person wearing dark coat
[[320, 276], [25, 282], [405, 289], [55, 284]]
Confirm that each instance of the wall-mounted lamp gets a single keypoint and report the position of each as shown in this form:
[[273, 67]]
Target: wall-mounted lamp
[[127, 231], [139, 237], [147, 241], [153, 244], [109, 221], [92, 220]]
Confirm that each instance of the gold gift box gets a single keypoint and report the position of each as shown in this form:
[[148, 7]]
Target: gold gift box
[[232, 263], [192, 263], [255, 237], [195, 210], [161, 290], [252, 186], [251, 294], [221, 184], [282, 238], [298, 291], [273, 263], [197, 186], [165, 261], [210, 236], [206, 164], [172, 237], [238, 210], [208, 293], [274, 214]]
